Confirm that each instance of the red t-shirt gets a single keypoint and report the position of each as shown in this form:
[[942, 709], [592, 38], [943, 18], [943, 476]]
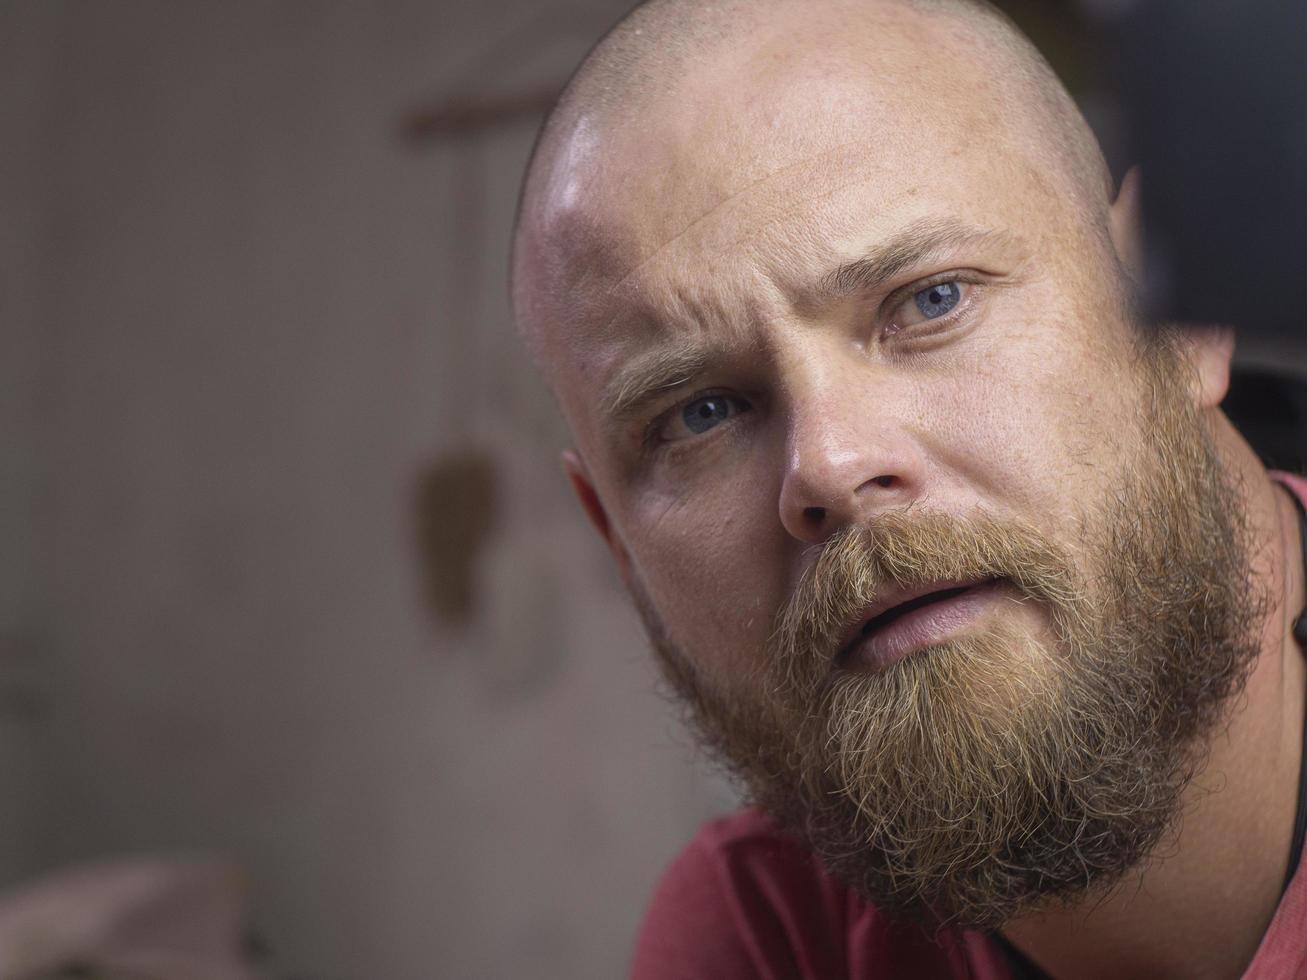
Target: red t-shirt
[[747, 902]]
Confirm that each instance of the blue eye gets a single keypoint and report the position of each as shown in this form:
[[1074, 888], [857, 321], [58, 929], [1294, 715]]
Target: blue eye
[[936, 301], [703, 414]]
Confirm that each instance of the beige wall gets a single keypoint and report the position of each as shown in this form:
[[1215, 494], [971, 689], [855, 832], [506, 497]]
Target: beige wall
[[239, 323]]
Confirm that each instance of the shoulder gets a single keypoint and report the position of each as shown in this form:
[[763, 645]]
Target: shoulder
[[745, 899], [726, 907]]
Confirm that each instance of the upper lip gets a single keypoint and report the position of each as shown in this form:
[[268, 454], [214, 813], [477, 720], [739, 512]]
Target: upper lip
[[897, 597]]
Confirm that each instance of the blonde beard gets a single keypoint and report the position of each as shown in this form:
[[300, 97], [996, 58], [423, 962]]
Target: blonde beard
[[1004, 771]]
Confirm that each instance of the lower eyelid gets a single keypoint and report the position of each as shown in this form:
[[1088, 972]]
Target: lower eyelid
[[702, 448]]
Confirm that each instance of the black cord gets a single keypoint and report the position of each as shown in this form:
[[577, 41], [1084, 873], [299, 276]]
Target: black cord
[[1300, 635]]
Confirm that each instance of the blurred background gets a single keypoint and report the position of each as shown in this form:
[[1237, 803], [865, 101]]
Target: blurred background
[[289, 575]]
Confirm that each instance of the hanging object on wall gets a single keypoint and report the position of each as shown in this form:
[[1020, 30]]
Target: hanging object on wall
[[456, 510], [464, 496], [465, 116]]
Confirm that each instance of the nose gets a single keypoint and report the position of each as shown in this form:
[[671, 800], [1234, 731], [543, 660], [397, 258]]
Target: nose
[[849, 457]]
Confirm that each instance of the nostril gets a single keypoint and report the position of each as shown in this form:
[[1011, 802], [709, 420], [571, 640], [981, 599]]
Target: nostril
[[815, 514]]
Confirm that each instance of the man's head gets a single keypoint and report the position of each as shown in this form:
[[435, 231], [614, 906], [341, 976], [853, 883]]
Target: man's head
[[832, 295]]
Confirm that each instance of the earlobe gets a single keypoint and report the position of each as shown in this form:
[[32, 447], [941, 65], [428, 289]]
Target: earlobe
[[1212, 350], [584, 488], [1125, 224]]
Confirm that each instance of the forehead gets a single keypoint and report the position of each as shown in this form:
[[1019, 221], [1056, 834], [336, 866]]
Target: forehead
[[774, 113], [726, 196]]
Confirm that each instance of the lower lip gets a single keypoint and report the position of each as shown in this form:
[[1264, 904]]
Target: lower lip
[[923, 627]]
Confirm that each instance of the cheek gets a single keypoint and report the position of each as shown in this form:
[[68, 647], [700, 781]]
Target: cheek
[[713, 563], [1034, 422]]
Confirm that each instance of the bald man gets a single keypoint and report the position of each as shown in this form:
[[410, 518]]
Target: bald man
[[956, 562]]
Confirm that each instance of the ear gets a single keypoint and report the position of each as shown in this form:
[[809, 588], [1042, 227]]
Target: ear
[[1125, 224], [583, 486], [1211, 349]]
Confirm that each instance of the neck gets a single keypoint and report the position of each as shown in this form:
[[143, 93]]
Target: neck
[[1199, 908]]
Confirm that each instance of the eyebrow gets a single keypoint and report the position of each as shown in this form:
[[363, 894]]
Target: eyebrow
[[649, 375], [912, 246]]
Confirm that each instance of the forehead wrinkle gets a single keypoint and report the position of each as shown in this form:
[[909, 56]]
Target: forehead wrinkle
[[786, 293], [770, 177]]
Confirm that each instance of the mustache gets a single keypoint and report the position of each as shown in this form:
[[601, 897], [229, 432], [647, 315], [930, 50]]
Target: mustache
[[904, 549]]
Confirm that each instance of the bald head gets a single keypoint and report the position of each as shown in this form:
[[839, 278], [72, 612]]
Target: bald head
[[655, 43], [672, 70]]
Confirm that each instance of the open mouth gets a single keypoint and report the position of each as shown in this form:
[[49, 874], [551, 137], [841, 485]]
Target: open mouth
[[903, 608], [917, 621]]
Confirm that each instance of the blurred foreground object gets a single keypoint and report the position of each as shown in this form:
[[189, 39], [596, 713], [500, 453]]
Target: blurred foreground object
[[144, 920], [1216, 94]]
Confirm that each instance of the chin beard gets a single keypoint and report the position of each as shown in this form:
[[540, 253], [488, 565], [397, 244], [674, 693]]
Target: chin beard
[[1004, 772]]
